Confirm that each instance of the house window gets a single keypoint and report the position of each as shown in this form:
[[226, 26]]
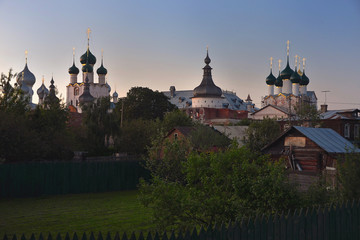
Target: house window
[[71, 102], [356, 130], [175, 136], [76, 91], [347, 130]]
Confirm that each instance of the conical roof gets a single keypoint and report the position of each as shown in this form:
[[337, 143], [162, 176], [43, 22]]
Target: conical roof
[[86, 97], [207, 87]]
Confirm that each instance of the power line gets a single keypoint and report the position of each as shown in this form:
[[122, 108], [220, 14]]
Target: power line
[[344, 103]]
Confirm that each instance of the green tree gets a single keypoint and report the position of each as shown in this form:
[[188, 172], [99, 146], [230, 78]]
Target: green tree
[[99, 123], [348, 175], [176, 118], [204, 138], [219, 187], [261, 133], [306, 112], [145, 103]]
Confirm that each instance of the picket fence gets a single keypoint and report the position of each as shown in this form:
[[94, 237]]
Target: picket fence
[[340, 221], [39, 178]]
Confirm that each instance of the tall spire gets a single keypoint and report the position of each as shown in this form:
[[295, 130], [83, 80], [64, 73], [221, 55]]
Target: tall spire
[[88, 35], [271, 63], [287, 50], [26, 56], [304, 59], [73, 55], [296, 59], [279, 65], [102, 56]]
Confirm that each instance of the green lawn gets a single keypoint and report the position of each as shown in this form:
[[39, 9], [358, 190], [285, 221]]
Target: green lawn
[[112, 211]]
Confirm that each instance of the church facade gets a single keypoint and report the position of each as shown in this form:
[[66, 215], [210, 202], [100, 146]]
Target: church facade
[[287, 91]]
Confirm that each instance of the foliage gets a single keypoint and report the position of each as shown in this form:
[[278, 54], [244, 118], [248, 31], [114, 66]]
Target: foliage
[[166, 158], [135, 136], [348, 176], [261, 133], [243, 122], [219, 187], [99, 125], [307, 112], [146, 104], [12, 99], [175, 118], [204, 138]]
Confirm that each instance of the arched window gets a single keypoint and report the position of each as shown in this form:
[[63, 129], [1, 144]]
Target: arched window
[[76, 91]]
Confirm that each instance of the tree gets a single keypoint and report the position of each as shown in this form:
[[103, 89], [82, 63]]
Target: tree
[[348, 175], [176, 118], [99, 123], [219, 187], [145, 103], [307, 112], [204, 138], [261, 133]]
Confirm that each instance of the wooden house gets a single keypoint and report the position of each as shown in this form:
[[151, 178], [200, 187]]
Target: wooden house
[[309, 151]]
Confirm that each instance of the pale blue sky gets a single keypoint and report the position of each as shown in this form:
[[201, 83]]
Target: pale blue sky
[[161, 43]]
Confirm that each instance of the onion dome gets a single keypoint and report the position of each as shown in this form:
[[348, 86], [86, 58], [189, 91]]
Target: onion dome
[[86, 97], [26, 77], [101, 70], [25, 89], [279, 82], [304, 79], [287, 72], [207, 87], [87, 68], [73, 69], [295, 77], [115, 94], [91, 58], [270, 80], [42, 91]]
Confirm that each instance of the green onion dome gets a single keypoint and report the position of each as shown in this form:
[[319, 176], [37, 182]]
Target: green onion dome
[[295, 77], [115, 94], [91, 58], [279, 82], [101, 70], [87, 68], [304, 80], [73, 69], [287, 72], [270, 80]]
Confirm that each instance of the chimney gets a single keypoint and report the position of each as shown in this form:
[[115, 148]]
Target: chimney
[[323, 108]]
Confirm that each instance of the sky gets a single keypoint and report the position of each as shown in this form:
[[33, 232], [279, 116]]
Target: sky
[[162, 43]]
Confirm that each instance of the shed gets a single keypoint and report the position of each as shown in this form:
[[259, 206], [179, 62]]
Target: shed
[[310, 151]]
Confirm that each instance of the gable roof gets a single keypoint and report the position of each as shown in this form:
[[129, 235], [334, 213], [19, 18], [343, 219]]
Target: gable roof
[[326, 138], [183, 130], [273, 106]]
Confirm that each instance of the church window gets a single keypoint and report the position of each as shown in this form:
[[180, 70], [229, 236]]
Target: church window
[[71, 102], [347, 130], [76, 91]]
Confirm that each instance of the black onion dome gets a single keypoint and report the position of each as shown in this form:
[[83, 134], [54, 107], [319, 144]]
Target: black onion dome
[[295, 77], [279, 82], [73, 69], [91, 58], [207, 87], [287, 72], [270, 80], [101, 70], [86, 97], [304, 80], [87, 68]]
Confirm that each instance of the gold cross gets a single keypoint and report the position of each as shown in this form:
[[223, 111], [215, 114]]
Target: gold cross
[[88, 32], [304, 59], [26, 55], [288, 46], [271, 59], [279, 64], [296, 58]]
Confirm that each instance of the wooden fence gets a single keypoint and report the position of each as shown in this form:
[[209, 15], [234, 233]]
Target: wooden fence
[[335, 222], [39, 178]]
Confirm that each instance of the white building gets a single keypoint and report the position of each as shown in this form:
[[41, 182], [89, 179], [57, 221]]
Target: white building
[[289, 89], [76, 88]]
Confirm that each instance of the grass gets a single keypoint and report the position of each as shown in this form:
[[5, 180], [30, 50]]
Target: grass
[[111, 211]]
